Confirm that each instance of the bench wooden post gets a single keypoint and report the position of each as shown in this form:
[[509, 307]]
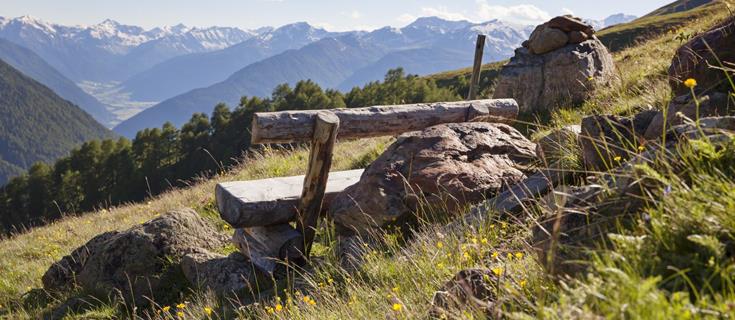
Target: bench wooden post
[[477, 67], [326, 126]]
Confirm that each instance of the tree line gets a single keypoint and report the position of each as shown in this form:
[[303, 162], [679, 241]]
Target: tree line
[[114, 171]]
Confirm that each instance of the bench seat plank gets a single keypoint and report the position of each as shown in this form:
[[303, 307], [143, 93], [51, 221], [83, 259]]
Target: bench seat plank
[[272, 201]]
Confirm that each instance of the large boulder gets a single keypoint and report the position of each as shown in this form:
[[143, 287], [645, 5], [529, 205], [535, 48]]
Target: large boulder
[[445, 166], [565, 76], [140, 263], [695, 59]]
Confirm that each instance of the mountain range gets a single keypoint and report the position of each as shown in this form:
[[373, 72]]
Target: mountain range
[[179, 70], [342, 61]]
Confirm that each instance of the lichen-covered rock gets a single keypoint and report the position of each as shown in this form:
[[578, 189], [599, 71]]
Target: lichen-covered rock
[[472, 289], [224, 275], [563, 77], [61, 274], [446, 166], [695, 60], [142, 262]]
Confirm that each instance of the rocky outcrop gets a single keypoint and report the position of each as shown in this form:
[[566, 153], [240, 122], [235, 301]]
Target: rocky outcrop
[[445, 166], [556, 67], [695, 59], [142, 262]]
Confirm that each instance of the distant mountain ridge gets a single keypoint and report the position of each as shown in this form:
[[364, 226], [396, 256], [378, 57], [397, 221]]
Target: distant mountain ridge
[[333, 61], [110, 50], [36, 124], [30, 64], [183, 73]]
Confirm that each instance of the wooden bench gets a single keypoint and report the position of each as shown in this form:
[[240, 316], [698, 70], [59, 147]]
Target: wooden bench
[[262, 210]]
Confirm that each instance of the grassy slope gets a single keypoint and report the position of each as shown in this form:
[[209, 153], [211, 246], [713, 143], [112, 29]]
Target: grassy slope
[[404, 276]]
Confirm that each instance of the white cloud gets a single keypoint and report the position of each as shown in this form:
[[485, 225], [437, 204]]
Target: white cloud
[[443, 12], [406, 18], [355, 14], [567, 11], [523, 13]]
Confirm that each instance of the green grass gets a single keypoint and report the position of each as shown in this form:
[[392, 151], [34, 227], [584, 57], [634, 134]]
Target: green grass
[[674, 261]]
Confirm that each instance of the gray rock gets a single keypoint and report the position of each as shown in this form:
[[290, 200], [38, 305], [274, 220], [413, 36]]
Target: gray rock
[[545, 39], [570, 23], [694, 60], [224, 275], [684, 107], [142, 262], [577, 37], [445, 166], [604, 138], [469, 289], [558, 144], [566, 76], [62, 273]]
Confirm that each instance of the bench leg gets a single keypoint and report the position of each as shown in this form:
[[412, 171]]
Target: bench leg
[[315, 183]]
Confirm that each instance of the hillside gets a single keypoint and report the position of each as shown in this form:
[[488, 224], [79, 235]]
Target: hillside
[[30, 64], [674, 261], [36, 124]]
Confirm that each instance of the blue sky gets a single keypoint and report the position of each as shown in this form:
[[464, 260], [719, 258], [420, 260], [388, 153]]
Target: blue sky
[[331, 14]]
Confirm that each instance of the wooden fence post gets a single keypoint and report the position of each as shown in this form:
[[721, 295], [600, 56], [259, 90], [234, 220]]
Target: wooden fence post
[[477, 67], [320, 160]]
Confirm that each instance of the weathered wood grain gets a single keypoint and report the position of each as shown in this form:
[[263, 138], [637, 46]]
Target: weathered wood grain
[[272, 201], [477, 67], [315, 181], [297, 126]]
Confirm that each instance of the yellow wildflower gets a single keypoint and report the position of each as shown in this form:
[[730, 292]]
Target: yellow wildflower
[[279, 307], [497, 271], [440, 245], [509, 256], [166, 308], [208, 311], [466, 255], [269, 310], [618, 158], [474, 240], [519, 255], [690, 83], [306, 299], [495, 255], [330, 280], [397, 307], [641, 148], [483, 241], [180, 314], [522, 283], [396, 289], [181, 306]]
